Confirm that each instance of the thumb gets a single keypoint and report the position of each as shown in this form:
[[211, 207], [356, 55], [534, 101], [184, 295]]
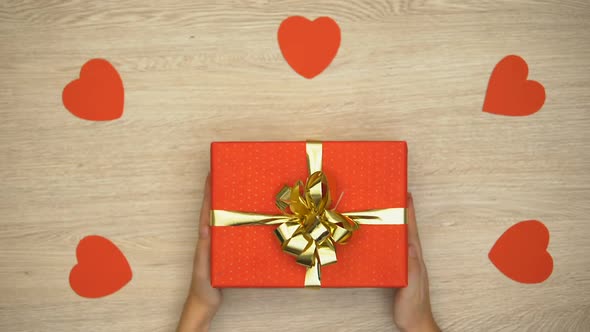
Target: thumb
[[414, 265], [411, 293], [204, 242]]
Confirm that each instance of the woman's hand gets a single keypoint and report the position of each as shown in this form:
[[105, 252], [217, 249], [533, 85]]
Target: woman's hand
[[203, 301], [412, 311]]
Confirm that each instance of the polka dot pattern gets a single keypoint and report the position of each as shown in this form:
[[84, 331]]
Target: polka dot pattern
[[246, 176]]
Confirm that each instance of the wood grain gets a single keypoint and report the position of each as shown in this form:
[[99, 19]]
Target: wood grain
[[200, 71]]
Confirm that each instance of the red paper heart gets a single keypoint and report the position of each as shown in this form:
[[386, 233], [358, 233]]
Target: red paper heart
[[98, 94], [521, 252], [309, 46], [509, 91], [102, 268]]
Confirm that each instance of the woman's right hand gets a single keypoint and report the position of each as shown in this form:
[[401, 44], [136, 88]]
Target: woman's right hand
[[411, 307]]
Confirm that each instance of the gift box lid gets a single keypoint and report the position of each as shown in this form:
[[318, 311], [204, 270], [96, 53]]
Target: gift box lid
[[246, 177]]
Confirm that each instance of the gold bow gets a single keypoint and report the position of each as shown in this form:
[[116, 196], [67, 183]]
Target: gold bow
[[308, 228]]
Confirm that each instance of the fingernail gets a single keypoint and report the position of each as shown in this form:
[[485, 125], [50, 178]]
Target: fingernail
[[412, 251], [410, 195]]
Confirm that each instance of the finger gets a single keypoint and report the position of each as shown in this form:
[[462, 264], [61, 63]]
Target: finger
[[205, 209], [414, 267], [204, 243], [413, 237]]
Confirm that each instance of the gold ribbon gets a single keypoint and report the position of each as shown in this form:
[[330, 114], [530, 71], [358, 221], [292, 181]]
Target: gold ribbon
[[308, 228]]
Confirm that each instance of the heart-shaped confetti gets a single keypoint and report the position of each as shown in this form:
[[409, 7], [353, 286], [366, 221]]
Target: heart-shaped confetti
[[102, 268], [509, 91], [98, 94], [309, 46], [521, 252]]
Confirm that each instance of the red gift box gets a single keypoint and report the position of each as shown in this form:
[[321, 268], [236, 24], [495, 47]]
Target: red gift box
[[246, 177]]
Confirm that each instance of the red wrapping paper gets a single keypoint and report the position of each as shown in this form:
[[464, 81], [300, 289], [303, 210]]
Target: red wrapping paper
[[246, 176]]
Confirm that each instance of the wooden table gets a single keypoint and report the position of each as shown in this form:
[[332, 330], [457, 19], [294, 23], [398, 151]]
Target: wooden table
[[196, 72]]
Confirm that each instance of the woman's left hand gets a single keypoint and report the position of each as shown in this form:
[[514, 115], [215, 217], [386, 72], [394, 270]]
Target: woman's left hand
[[203, 301]]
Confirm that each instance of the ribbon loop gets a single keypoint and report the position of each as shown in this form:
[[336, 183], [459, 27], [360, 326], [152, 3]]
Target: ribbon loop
[[313, 229]]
